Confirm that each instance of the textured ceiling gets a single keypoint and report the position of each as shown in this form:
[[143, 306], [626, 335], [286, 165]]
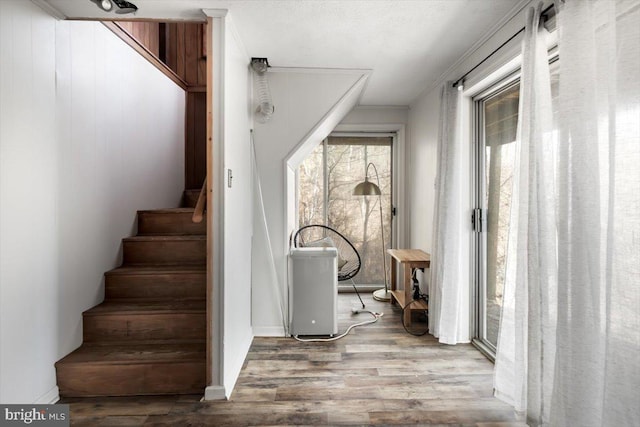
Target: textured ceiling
[[408, 44]]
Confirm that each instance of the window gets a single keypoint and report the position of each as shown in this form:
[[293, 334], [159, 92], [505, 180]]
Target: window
[[325, 183]]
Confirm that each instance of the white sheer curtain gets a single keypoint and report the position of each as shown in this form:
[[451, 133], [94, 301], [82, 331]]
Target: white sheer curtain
[[575, 248], [449, 287], [526, 342], [597, 378]]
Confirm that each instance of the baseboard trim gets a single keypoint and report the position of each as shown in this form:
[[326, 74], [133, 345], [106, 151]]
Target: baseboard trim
[[214, 392], [268, 331], [50, 397]]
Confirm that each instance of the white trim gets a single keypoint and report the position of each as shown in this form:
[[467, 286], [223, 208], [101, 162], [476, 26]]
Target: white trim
[[508, 71], [303, 70], [268, 331], [383, 107], [370, 127], [362, 134], [215, 13], [217, 200], [49, 398], [214, 392], [50, 9], [505, 66]]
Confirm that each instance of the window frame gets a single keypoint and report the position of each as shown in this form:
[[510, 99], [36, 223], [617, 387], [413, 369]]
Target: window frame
[[395, 178], [478, 161], [479, 253]]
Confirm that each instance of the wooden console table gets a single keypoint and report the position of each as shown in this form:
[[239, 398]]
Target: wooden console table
[[408, 259]]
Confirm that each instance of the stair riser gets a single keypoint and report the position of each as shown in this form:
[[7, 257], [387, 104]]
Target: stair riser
[[86, 380], [190, 198], [169, 223], [165, 252], [156, 286], [137, 327]]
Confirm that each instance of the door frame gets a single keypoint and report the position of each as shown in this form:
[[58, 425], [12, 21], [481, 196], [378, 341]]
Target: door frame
[[398, 167], [366, 287], [479, 258]]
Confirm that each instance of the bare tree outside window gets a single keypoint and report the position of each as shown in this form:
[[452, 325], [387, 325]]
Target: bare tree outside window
[[357, 217]]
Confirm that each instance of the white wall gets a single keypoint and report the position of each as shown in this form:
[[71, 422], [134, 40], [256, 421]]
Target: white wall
[[423, 131], [377, 115], [90, 132], [302, 99], [238, 213]]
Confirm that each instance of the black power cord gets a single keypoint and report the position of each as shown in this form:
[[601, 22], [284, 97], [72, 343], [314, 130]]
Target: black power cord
[[417, 296]]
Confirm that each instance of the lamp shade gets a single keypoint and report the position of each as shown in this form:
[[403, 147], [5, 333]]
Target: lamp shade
[[366, 188]]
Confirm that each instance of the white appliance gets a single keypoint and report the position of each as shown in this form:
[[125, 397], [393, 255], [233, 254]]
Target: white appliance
[[314, 291]]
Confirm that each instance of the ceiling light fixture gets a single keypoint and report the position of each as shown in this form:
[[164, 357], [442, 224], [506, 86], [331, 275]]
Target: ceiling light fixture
[[105, 5], [122, 6], [125, 7]]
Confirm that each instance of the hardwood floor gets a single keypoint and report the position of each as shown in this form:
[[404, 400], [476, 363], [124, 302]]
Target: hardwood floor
[[377, 375]]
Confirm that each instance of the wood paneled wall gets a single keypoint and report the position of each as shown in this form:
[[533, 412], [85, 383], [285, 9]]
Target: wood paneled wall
[[195, 152], [147, 33], [186, 56], [186, 52]]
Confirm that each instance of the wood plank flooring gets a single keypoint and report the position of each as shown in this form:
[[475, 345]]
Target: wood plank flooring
[[378, 375]]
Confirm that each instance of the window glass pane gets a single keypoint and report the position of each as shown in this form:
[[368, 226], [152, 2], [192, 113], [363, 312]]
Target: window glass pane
[[500, 113], [500, 126], [311, 189], [357, 217]]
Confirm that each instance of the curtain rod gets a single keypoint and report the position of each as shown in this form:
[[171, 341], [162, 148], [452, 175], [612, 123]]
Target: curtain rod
[[543, 14]]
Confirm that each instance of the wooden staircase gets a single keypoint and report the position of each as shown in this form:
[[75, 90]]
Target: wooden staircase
[[149, 335]]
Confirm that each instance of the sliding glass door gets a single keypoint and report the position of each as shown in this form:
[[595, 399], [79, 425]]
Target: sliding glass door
[[326, 180], [497, 120]]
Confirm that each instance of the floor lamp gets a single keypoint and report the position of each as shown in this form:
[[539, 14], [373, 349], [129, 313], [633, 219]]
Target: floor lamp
[[367, 188]]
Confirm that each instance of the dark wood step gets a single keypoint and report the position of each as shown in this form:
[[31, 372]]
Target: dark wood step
[[148, 337], [143, 369], [169, 221], [146, 320], [164, 250], [190, 198], [156, 282]]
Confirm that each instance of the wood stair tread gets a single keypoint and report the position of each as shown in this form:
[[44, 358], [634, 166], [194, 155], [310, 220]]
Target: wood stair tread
[[167, 211], [159, 269], [148, 307], [137, 353], [149, 335], [166, 238]]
